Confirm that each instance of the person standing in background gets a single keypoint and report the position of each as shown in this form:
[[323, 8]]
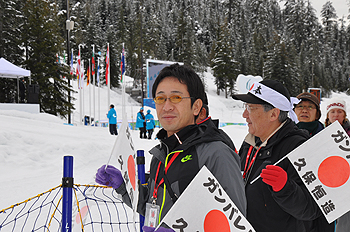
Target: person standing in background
[[149, 124], [309, 113], [336, 111], [112, 120], [141, 123]]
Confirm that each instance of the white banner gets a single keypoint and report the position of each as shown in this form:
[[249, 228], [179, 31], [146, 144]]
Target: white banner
[[323, 164], [123, 150], [205, 206]]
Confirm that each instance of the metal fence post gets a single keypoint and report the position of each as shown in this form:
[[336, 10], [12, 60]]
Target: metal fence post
[[67, 186], [141, 175]]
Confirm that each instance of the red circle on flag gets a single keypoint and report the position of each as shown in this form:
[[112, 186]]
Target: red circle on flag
[[334, 171], [216, 221], [131, 171]]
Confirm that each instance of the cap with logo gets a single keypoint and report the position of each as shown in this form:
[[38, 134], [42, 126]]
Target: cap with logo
[[270, 92]]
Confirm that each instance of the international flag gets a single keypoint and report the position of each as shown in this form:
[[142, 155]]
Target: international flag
[[122, 66], [107, 64], [98, 71], [88, 75], [81, 84], [93, 61], [79, 70]]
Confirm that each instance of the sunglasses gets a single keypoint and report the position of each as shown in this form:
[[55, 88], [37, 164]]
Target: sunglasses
[[173, 99]]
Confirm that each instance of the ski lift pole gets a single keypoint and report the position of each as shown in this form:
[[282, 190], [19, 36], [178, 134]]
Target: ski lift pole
[[67, 185]]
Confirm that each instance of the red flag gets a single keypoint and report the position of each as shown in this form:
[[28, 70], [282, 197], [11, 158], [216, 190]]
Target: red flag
[[107, 64], [79, 71], [88, 75], [93, 62]]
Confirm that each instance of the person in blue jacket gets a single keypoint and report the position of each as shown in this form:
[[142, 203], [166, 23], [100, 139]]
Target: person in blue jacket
[[149, 123], [112, 120], [141, 123]]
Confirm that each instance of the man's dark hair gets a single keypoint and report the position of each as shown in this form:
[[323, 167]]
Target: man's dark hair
[[186, 75], [112, 106]]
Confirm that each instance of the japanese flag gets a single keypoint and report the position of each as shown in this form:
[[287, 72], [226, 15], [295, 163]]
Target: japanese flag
[[205, 206], [322, 163], [123, 151]]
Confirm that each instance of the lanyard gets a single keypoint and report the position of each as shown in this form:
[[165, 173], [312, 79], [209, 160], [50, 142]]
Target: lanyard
[[167, 166], [251, 162]]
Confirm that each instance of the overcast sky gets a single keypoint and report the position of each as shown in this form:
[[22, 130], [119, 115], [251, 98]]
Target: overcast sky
[[341, 7]]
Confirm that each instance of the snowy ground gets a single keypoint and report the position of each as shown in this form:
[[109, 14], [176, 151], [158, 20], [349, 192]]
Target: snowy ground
[[32, 146]]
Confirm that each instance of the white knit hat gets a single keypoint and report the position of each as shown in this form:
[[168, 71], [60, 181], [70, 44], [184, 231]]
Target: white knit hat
[[336, 103]]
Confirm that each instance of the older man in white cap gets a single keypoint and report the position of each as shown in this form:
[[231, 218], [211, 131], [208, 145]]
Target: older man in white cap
[[278, 201]]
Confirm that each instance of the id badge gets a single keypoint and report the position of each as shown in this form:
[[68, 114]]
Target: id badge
[[152, 214]]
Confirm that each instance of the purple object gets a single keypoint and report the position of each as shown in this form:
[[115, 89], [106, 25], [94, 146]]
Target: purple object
[[160, 229], [109, 176]]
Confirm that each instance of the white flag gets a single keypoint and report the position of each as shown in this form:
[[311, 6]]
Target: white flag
[[205, 206], [322, 163], [123, 150]]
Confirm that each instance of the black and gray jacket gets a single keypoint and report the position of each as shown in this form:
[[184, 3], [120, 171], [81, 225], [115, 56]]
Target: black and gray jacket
[[193, 146], [270, 211]]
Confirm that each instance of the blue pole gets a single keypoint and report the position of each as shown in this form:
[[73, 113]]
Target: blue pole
[[67, 185], [141, 175]]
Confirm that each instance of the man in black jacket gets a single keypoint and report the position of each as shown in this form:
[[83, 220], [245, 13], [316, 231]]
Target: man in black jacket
[[278, 201], [185, 147]]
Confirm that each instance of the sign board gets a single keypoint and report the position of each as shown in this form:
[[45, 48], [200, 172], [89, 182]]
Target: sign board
[[149, 102], [316, 92], [205, 206], [153, 69], [323, 165], [124, 151]]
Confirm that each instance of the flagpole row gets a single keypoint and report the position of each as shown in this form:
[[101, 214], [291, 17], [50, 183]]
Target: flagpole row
[[96, 77]]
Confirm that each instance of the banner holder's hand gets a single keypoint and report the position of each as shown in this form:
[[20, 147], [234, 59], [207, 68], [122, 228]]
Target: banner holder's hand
[[251, 182]]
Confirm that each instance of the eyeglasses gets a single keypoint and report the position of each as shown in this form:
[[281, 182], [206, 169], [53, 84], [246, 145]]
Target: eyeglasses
[[174, 99], [301, 107], [250, 108]]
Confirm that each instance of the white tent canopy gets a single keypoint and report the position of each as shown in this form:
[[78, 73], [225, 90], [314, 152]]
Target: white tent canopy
[[9, 70]]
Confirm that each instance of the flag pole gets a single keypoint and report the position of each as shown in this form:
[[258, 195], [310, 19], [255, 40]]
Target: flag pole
[[72, 73], [82, 91], [123, 83], [94, 83], [109, 80], [89, 73], [98, 85], [79, 87]]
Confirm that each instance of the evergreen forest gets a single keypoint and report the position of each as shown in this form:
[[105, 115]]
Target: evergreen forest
[[282, 41]]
